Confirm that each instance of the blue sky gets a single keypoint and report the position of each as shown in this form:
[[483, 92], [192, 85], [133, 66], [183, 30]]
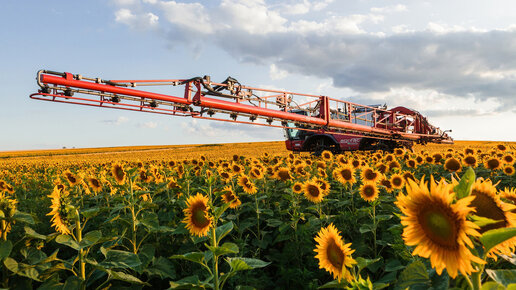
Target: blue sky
[[455, 62]]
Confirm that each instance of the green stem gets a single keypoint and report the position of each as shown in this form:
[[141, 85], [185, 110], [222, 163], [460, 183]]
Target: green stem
[[257, 215], [215, 260], [81, 251], [374, 228]]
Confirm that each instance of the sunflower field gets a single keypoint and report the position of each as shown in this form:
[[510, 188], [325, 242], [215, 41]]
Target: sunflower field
[[255, 216]]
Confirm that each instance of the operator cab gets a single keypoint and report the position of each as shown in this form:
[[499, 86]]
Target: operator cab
[[293, 133]]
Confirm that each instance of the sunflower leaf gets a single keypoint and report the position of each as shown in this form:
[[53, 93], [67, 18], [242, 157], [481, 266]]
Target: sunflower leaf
[[23, 217], [226, 248], [463, 189], [363, 263], [492, 286], [196, 257], [241, 264], [483, 221], [5, 249], [494, 237], [223, 230], [67, 241], [504, 277]]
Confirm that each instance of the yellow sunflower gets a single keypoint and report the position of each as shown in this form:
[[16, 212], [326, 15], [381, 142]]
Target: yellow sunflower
[[470, 160], [248, 186], [508, 170], [370, 175], [230, 197], [509, 194], [118, 173], [437, 227], [386, 183], [327, 155], [492, 163], [412, 163], [224, 175], [369, 191], [397, 181], [8, 209], [197, 217], [237, 169], [508, 159], [323, 184], [297, 187], [144, 176], [172, 183], [95, 184], [313, 191], [58, 210], [345, 175], [408, 175], [256, 173], [489, 205], [334, 256], [452, 165], [71, 178], [282, 174]]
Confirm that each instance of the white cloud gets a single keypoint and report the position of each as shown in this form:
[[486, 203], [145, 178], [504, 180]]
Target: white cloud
[[136, 21], [187, 15], [390, 9], [304, 7], [452, 60], [251, 16], [118, 121], [275, 73], [150, 125]]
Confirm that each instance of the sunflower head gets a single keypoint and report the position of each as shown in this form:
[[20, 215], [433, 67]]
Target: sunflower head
[[95, 184], [118, 173], [172, 183], [470, 160], [246, 183], [488, 204], [437, 227], [197, 217], [313, 192], [370, 175], [345, 174], [508, 170], [283, 174], [334, 256], [397, 181], [492, 163], [412, 163], [71, 178], [501, 147], [297, 187], [452, 165], [228, 196], [327, 155], [60, 208], [369, 191]]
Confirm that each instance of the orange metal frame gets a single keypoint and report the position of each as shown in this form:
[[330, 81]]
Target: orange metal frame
[[203, 99]]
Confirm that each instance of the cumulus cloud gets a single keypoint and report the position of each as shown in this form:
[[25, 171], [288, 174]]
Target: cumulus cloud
[[390, 9], [136, 21], [150, 125], [463, 63], [118, 121], [304, 6], [277, 74]]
